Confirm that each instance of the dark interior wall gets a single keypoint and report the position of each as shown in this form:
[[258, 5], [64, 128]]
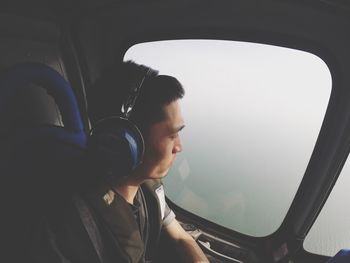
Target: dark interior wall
[[27, 39]]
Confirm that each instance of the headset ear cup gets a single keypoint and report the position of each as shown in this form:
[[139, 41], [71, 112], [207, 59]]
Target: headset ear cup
[[136, 146], [117, 146]]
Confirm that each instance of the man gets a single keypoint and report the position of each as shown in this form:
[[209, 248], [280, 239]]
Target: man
[[158, 115], [91, 216]]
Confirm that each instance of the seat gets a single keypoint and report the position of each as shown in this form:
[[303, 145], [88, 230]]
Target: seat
[[343, 256], [36, 158]]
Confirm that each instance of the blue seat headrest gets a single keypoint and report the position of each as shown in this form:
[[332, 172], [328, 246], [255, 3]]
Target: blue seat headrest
[[26, 150], [343, 256], [21, 76]]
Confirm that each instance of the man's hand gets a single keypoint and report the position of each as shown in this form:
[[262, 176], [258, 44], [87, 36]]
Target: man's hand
[[185, 245]]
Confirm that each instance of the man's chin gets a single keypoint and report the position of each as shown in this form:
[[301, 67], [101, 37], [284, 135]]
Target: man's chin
[[160, 175]]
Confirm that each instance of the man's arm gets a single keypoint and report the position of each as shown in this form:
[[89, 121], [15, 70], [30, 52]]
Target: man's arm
[[184, 244]]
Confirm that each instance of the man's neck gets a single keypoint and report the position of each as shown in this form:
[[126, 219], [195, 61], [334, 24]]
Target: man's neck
[[128, 192], [128, 188]]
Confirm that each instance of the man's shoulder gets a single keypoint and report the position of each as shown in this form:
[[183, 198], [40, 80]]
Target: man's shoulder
[[154, 190]]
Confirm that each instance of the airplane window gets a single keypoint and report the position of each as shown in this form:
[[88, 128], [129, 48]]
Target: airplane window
[[252, 113], [330, 232]]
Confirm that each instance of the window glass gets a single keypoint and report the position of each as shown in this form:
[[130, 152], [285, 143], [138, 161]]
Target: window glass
[[252, 113], [330, 232]]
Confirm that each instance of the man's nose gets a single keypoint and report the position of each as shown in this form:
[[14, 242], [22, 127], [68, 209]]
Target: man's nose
[[177, 146]]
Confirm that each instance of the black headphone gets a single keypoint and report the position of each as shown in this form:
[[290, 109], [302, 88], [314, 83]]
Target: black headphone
[[117, 143]]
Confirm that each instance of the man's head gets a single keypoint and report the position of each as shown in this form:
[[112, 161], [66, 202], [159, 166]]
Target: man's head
[[156, 112]]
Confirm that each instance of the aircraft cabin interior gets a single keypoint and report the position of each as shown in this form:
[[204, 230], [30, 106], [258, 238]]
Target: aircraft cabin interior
[[263, 175]]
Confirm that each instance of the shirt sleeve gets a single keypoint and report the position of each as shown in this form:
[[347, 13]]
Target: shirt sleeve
[[169, 215]]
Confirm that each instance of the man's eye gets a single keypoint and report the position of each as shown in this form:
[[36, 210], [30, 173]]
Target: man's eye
[[174, 136]]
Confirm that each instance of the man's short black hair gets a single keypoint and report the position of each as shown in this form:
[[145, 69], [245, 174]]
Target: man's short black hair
[[109, 92]]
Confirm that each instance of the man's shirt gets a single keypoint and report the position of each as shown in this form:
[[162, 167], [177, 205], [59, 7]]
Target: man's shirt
[[141, 215], [149, 218]]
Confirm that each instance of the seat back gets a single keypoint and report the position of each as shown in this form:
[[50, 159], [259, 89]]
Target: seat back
[[343, 256], [36, 158]]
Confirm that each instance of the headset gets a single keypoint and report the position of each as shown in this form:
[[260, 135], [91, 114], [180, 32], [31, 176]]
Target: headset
[[116, 143]]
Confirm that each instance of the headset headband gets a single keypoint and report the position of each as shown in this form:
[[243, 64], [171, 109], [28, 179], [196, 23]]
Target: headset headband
[[130, 100]]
